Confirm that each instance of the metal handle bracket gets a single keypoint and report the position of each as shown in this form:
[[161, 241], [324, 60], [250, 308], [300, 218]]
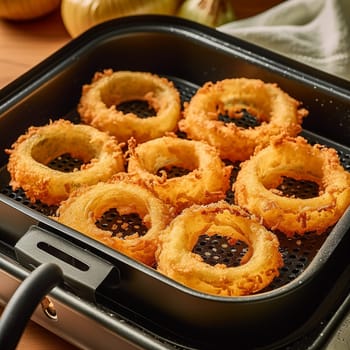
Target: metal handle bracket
[[83, 271]]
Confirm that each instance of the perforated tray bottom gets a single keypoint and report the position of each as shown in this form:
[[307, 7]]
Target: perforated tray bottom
[[297, 252]]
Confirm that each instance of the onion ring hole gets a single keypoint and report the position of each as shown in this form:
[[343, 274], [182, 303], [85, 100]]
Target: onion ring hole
[[304, 189], [121, 225], [140, 108], [216, 249], [242, 118], [66, 163], [173, 171]]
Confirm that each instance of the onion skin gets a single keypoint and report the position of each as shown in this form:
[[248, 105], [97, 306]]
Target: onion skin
[[78, 15], [212, 13], [20, 10]]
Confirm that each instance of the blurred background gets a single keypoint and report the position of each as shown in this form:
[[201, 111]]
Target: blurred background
[[30, 30]]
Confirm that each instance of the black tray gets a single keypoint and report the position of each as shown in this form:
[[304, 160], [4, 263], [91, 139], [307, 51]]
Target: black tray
[[315, 278]]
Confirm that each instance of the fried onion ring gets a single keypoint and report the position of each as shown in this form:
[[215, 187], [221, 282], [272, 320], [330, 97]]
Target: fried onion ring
[[274, 109], [33, 151], [207, 180], [86, 206], [256, 183], [99, 104], [258, 268]]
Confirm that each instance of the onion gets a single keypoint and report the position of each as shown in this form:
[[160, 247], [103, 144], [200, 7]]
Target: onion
[[26, 9], [212, 13], [79, 15]]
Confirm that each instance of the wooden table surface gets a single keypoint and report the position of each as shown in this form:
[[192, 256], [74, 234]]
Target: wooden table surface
[[22, 46]]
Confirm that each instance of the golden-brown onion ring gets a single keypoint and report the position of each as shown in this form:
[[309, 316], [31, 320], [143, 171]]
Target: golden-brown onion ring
[[256, 183], [85, 206], [99, 104], [260, 264], [207, 180], [275, 109], [30, 154]]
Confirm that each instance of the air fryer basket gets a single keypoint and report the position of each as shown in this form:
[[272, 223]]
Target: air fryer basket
[[189, 55]]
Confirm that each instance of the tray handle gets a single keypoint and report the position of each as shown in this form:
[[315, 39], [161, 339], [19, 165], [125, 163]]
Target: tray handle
[[83, 271]]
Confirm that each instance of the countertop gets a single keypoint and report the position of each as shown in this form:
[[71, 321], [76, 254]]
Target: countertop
[[22, 46]]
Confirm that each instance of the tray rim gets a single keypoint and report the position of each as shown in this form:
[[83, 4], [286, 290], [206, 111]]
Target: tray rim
[[23, 86]]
